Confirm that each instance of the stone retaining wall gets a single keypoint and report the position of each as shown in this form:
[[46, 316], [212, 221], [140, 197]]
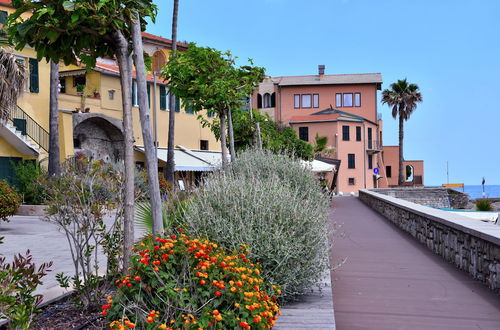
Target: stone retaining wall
[[471, 245], [428, 196]]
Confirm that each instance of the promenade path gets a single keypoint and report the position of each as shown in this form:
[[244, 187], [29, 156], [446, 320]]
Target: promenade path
[[390, 281]]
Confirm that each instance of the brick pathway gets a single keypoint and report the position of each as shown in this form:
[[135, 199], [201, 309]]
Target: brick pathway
[[390, 281]]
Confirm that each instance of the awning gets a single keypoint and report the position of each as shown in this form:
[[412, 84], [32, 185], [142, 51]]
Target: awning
[[189, 160], [72, 73], [318, 166]]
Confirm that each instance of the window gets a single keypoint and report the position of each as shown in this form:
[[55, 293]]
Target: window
[[345, 133], [159, 60], [315, 100], [134, 94], [79, 80], [388, 171], [111, 94], [177, 104], [351, 161], [370, 161], [3, 16], [267, 100], [338, 100], [306, 100], [140, 165], [273, 100], [210, 114], [203, 144], [62, 85], [259, 101], [34, 85], [357, 99], [347, 100], [304, 133], [189, 108], [358, 133], [351, 181], [296, 101], [163, 98]]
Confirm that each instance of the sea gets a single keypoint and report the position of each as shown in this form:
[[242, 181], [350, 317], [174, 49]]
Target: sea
[[491, 191]]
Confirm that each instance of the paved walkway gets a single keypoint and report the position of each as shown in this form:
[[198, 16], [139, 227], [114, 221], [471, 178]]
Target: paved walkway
[[390, 281]]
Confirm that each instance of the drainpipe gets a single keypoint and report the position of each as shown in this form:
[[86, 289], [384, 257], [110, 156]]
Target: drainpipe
[[279, 88], [155, 119], [364, 154]]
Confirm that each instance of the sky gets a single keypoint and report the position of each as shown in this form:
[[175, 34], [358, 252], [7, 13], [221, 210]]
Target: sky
[[449, 48]]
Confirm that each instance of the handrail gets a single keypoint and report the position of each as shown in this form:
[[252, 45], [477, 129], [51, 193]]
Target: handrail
[[32, 129]]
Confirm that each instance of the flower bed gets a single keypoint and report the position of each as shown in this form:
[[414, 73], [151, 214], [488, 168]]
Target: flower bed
[[192, 283]]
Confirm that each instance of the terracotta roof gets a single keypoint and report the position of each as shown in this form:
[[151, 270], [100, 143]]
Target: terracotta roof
[[162, 40], [330, 79], [6, 2], [113, 69]]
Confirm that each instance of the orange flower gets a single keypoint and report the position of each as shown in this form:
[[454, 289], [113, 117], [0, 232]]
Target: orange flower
[[218, 293]]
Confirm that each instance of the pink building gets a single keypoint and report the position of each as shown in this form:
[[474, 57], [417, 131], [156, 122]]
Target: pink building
[[342, 107]]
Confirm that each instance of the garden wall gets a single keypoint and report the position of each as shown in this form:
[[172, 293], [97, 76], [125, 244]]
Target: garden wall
[[472, 246], [428, 196]]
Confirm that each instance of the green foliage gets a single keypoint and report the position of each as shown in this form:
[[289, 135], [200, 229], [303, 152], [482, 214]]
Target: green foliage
[[184, 282], [9, 201], [208, 79], [173, 209], [275, 137], [78, 202], [18, 281], [273, 204], [29, 175], [402, 97], [63, 30], [484, 205]]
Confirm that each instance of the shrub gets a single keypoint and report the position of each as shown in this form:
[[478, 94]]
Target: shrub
[[28, 175], [273, 204], [18, 281], [179, 282], [9, 201], [173, 209], [484, 205]]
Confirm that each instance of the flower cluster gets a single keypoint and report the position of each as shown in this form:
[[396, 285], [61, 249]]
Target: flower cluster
[[191, 283], [9, 201]]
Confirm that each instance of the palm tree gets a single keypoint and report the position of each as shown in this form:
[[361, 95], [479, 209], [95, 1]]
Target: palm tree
[[12, 77], [170, 168], [403, 98], [54, 150]]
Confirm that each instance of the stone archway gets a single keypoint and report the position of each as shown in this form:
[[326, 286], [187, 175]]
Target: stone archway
[[98, 137]]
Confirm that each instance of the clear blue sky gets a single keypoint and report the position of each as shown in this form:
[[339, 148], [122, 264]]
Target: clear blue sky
[[451, 49]]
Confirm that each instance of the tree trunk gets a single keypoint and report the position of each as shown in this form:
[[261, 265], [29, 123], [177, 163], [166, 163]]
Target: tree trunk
[[259, 137], [223, 145], [147, 135], [231, 135], [125, 65], [402, 174], [54, 155], [170, 168]]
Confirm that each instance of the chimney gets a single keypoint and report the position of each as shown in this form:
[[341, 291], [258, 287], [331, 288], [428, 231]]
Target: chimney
[[321, 69]]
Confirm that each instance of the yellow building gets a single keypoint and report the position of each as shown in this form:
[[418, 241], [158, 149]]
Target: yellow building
[[90, 117]]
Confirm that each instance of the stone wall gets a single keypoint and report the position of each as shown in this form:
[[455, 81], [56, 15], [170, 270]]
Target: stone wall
[[435, 196], [471, 245]]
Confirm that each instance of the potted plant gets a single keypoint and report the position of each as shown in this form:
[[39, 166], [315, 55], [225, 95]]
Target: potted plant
[[96, 93], [80, 89]]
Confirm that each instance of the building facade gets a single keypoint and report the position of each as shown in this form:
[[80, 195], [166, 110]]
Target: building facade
[[90, 113], [343, 108]]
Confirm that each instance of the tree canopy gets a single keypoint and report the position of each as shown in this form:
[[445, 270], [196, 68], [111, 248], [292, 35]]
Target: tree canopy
[[72, 30]]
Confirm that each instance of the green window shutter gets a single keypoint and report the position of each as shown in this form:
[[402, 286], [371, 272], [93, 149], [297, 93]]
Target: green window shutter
[[34, 84], [149, 95], [177, 104], [163, 98], [3, 16]]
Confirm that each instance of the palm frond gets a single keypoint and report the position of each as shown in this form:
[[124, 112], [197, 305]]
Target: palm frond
[[12, 76]]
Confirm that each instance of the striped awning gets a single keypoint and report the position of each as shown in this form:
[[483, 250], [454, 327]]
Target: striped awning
[[72, 73]]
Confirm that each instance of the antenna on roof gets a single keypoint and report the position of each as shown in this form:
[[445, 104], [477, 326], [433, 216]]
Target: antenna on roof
[[331, 106]]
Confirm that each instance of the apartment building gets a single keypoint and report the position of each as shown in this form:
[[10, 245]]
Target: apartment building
[[342, 107], [90, 114]]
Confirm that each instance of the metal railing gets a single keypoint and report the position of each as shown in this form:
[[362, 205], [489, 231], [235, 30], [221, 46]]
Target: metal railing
[[373, 145], [28, 126]]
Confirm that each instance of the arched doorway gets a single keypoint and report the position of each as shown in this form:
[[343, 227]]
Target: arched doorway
[[99, 139]]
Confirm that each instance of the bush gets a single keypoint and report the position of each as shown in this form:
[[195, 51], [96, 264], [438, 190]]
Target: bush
[[18, 281], [28, 175], [184, 283], [484, 205], [9, 201], [273, 204]]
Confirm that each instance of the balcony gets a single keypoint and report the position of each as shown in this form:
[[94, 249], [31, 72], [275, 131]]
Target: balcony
[[373, 146]]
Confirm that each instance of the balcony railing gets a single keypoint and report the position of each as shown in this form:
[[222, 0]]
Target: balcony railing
[[28, 126], [373, 145]]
